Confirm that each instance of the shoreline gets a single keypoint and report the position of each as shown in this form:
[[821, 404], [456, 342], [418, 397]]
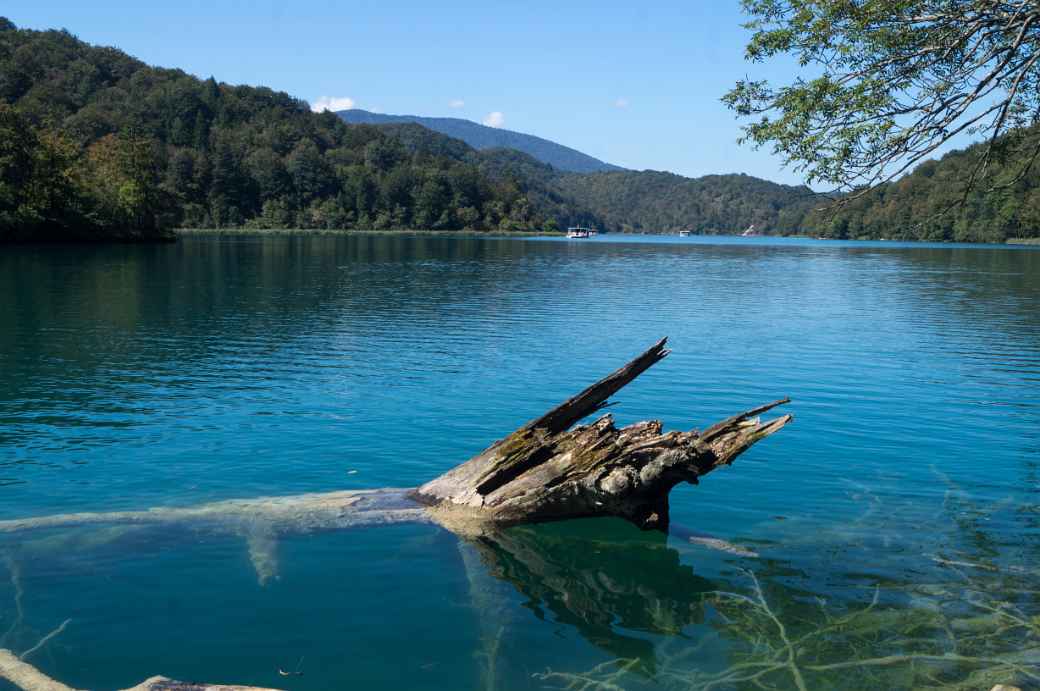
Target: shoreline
[[187, 232], [349, 231]]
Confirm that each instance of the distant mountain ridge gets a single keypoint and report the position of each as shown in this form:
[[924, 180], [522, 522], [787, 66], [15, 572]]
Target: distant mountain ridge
[[482, 137]]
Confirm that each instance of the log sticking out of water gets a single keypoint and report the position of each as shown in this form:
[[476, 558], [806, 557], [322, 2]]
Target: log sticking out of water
[[548, 471], [25, 676]]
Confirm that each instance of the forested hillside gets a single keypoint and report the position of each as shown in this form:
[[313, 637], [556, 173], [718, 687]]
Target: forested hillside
[[629, 201], [655, 202], [534, 182], [930, 204], [140, 149]]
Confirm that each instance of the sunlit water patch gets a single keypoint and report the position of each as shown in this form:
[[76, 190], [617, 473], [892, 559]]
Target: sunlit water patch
[[888, 539]]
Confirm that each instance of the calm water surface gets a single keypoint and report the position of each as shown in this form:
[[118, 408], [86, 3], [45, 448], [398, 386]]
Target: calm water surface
[[896, 523]]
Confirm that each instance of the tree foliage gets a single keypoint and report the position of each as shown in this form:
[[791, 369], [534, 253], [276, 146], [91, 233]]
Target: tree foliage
[[892, 81], [657, 202], [49, 188]]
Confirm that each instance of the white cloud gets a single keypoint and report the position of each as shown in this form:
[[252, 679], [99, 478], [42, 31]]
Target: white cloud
[[495, 119], [456, 103], [621, 103], [332, 103]]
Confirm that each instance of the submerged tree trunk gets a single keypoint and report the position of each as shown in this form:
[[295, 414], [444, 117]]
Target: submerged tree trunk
[[548, 471], [25, 676]]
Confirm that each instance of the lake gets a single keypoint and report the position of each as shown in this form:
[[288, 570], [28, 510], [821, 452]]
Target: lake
[[888, 538]]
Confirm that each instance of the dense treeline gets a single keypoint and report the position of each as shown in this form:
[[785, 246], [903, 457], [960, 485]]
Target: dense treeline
[[51, 188], [531, 182], [630, 201], [928, 204], [931, 204], [655, 202], [194, 152]]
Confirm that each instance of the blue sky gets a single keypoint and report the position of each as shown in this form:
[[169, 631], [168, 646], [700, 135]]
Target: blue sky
[[634, 84]]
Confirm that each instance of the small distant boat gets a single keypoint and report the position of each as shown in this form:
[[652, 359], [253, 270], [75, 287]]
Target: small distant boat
[[684, 233], [580, 232], [750, 232]]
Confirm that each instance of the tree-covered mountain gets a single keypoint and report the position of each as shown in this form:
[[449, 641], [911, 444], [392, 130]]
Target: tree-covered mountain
[[655, 202], [509, 169], [631, 201], [481, 137], [931, 203], [127, 149]]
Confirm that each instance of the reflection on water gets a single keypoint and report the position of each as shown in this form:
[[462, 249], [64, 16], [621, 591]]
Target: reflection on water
[[602, 577], [133, 377]]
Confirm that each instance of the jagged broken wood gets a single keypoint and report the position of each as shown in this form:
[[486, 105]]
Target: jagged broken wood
[[546, 470]]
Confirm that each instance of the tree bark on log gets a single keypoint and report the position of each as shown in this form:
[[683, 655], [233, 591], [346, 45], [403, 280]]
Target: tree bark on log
[[548, 471]]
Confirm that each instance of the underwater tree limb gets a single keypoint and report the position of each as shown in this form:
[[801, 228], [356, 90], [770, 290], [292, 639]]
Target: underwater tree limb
[[45, 640], [28, 678], [25, 676], [298, 513]]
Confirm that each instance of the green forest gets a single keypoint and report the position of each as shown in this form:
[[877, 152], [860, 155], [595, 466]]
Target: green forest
[[656, 202], [95, 144], [934, 204]]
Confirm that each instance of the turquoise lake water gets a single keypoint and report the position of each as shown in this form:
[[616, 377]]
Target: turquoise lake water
[[895, 524]]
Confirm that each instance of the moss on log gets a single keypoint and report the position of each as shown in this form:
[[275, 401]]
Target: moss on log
[[548, 471]]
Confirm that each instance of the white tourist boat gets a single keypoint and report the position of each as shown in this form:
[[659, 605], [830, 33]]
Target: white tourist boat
[[580, 232]]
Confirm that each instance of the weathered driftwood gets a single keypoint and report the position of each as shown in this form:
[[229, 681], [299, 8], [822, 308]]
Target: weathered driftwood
[[548, 471], [26, 677]]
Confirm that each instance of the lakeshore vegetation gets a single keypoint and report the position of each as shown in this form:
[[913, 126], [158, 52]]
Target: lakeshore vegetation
[[96, 145]]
